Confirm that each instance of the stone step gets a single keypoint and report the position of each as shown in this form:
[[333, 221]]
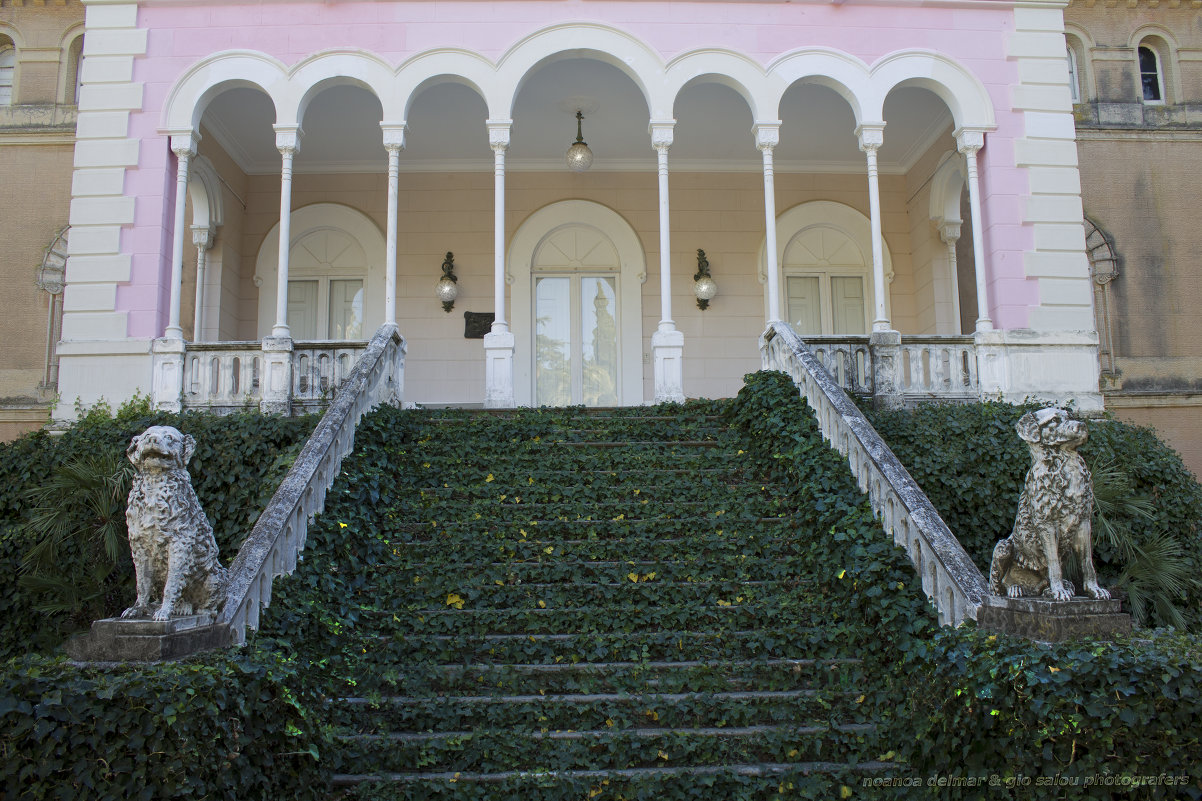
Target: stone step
[[385, 714], [610, 748]]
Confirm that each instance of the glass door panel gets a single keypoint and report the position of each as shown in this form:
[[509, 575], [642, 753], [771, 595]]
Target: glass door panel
[[847, 305], [599, 338], [805, 304], [553, 341], [346, 309], [302, 309]]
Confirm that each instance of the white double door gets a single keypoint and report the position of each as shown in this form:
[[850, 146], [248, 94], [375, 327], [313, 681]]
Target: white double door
[[576, 346]]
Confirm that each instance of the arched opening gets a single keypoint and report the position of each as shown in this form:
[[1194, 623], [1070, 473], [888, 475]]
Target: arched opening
[[8, 68]]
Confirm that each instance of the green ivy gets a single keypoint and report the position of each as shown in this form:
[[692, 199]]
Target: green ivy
[[228, 725]]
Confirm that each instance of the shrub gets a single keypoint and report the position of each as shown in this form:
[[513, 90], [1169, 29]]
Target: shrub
[[227, 726]]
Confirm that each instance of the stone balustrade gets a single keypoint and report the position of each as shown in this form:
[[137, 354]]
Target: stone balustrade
[[922, 367], [949, 577], [279, 535], [225, 377]]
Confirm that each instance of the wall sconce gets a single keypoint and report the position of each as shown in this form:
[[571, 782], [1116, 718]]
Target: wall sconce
[[448, 286], [579, 157], [704, 286]]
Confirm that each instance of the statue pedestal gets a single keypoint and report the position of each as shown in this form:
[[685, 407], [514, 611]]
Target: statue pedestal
[[1046, 620], [117, 639]]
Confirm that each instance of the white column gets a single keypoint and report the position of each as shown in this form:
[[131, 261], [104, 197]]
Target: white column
[[287, 141], [202, 238], [499, 342], [667, 343], [949, 232], [872, 136], [184, 147], [970, 143], [767, 137], [394, 143]]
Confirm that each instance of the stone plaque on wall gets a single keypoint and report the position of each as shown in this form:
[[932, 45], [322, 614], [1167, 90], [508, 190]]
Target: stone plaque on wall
[[477, 324]]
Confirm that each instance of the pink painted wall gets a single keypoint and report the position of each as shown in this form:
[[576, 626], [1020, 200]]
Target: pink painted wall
[[181, 35]]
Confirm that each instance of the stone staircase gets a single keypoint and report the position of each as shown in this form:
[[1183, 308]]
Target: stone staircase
[[570, 604]]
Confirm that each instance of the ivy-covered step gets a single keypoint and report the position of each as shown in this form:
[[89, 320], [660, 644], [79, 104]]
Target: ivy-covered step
[[567, 604]]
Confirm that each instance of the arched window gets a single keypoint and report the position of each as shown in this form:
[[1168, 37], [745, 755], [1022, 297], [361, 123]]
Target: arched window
[[74, 72], [8, 66], [1074, 79], [1151, 76]]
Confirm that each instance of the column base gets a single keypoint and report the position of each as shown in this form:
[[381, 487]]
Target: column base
[[167, 373], [276, 386], [667, 354], [498, 368]]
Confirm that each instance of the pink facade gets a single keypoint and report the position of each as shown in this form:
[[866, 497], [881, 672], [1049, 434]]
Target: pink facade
[[180, 36]]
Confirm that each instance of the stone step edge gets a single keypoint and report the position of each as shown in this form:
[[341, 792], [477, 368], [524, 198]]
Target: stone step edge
[[753, 771], [588, 698], [598, 667], [547, 636], [701, 731]]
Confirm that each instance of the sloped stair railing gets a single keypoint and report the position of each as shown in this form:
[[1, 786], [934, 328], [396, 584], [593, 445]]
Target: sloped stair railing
[[949, 577], [275, 543]]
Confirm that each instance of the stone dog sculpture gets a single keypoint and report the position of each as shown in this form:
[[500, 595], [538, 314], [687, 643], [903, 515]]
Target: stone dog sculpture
[[174, 552], [1055, 513]]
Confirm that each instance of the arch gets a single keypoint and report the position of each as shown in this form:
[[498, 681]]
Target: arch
[[962, 92], [449, 65], [70, 64], [526, 242], [9, 45], [947, 187], [308, 220], [1079, 43], [725, 67], [204, 193], [206, 79], [834, 69], [344, 68], [607, 45], [825, 214]]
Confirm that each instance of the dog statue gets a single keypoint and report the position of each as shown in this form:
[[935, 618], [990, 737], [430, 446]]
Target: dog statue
[[174, 552], [1055, 513]]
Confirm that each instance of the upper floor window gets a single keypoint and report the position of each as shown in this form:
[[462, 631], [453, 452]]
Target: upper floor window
[[8, 65], [1074, 81], [74, 71], [1151, 77]]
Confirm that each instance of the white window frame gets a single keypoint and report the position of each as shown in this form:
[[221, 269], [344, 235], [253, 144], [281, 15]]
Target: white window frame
[[1074, 74], [1160, 82], [8, 50]]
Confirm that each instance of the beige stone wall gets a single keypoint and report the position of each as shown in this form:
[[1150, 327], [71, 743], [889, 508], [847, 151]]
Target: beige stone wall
[[36, 149], [1139, 165], [719, 212]]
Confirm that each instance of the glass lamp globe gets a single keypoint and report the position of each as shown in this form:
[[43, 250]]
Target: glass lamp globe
[[579, 157], [705, 288], [447, 290]]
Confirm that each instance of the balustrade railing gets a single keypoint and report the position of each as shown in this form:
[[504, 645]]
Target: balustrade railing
[[938, 367], [847, 358], [949, 577], [226, 376], [275, 543]]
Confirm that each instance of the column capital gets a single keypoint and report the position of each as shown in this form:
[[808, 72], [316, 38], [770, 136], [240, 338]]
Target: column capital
[[871, 136], [202, 236], [969, 140], [661, 133], [288, 138], [183, 143], [498, 134], [949, 231], [767, 134], [394, 135]]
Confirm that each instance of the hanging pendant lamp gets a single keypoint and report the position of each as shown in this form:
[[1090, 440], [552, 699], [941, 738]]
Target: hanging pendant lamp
[[579, 157]]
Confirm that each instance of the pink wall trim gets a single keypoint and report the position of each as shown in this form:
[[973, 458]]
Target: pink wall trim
[[181, 35]]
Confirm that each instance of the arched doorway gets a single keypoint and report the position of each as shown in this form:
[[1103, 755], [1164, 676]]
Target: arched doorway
[[825, 258], [576, 270], [335, 277]]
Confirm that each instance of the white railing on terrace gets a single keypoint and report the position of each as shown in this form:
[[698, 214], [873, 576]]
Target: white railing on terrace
[[275, 543], [928, 367], [938, 367], [949, 577], [227, 376]]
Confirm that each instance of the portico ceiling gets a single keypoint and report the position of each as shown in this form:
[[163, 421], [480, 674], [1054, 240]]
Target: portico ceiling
[[446, 127]]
